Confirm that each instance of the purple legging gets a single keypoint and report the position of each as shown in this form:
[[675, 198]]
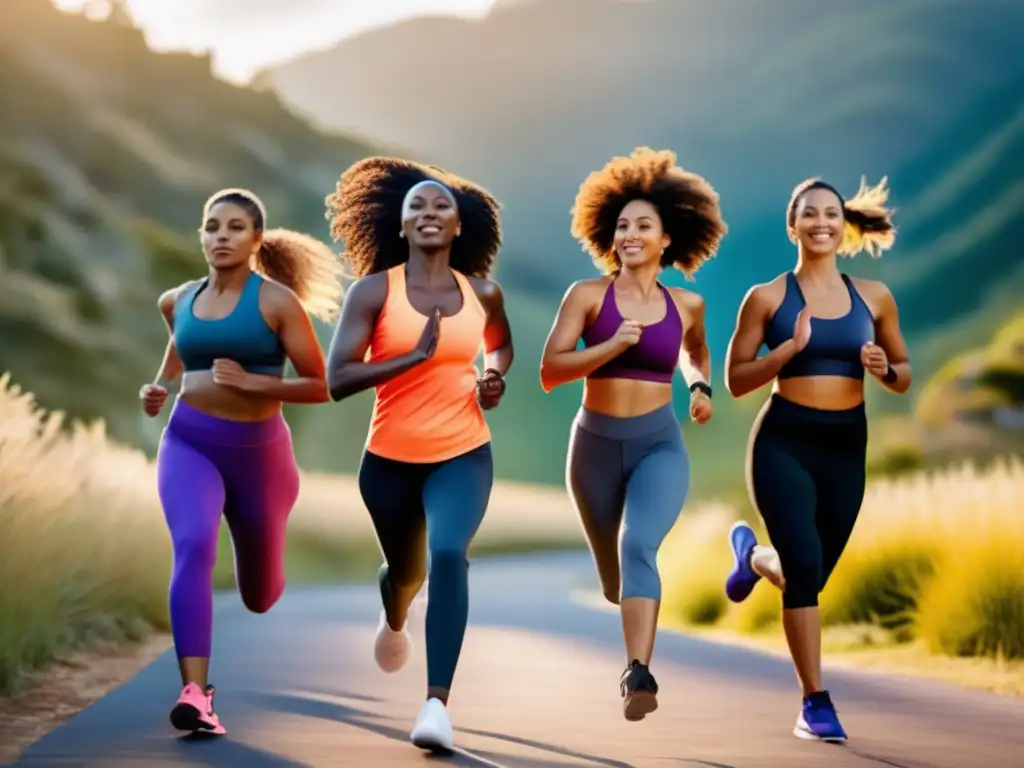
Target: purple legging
[[247, 471]]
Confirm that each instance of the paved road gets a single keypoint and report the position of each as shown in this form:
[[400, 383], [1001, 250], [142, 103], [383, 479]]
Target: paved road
[[537, 686]]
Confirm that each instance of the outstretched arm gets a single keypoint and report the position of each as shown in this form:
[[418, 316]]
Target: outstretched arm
[[744, 371], [348, 373], [561, 362]]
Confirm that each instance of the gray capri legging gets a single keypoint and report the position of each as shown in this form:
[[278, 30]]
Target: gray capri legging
[[628, 478]]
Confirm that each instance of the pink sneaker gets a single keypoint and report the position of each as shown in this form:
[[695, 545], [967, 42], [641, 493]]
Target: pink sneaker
[[194, 711]]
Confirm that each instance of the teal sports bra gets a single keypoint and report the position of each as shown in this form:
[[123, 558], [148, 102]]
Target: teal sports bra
[[242, 336]]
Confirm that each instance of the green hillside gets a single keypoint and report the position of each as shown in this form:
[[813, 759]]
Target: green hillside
[[107, 153]]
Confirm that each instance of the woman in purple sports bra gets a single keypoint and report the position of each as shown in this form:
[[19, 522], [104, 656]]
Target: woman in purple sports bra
[[627, 468]]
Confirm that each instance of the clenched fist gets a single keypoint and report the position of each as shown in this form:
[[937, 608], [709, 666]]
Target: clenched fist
[[874, 359], [153, 397], [628, 334]]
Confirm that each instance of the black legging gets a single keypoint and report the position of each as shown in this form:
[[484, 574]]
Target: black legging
[[429, 511], [806, 475]]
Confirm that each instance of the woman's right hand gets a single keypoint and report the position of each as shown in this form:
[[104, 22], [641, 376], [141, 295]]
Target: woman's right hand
[[802, 329], [153, 397], [427, 344], [628, 334]]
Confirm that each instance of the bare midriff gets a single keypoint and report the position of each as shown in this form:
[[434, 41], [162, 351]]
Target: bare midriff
[[624, 398], [826, 393], [199, 390]]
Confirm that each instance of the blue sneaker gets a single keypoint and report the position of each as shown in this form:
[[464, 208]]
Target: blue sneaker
[[743, 578], [818, 720]]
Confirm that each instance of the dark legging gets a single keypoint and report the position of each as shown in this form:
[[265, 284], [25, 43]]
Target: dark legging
[[628, 478], [429, 513], [806, 475], [245, 470]]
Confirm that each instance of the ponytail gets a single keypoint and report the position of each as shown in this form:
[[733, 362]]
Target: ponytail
[[868, 226], [304, 264], [867, 223]]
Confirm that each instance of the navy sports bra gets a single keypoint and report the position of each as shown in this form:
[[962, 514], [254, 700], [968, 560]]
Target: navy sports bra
[[834, 348]]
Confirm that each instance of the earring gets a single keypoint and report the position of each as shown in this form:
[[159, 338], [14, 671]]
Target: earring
[[401, 233]]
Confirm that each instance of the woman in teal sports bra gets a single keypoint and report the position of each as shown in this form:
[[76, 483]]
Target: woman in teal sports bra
[[227, 449]]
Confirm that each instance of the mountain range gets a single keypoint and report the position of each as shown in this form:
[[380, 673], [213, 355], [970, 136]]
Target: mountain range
[[755, 96]]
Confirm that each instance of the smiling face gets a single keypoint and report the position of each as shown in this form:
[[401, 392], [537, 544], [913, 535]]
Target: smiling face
[[818, 222], [430, 219], [229, 236], [639, 236]]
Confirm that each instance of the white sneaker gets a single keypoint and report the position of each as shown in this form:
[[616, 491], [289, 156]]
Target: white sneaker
[[391, 648], [433, 729]]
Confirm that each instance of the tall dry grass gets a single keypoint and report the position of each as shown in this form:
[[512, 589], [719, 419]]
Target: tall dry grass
[[85, 555], [936, 557]]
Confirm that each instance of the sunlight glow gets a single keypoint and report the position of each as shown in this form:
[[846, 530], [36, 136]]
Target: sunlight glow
[[247, 35]]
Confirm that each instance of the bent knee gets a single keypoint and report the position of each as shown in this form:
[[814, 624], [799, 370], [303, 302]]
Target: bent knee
[[640, 576], [262, 600], [448, 559], [803, 582]]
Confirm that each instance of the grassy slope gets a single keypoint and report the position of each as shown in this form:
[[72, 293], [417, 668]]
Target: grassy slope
[[107, 152]]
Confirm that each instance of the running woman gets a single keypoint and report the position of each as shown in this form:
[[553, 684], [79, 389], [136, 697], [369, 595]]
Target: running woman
[[226, 447], [627, 468], [806, 461], [421, 243]]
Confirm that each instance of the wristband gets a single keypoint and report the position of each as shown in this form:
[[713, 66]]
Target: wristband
[[890, 375], [702, 386]]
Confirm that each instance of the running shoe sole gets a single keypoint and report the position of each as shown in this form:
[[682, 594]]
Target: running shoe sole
[[639, 704], [185, 717], [806, 735]]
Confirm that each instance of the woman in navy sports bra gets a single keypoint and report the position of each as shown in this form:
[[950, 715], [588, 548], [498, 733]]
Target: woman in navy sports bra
[[627, 468], [806, 462]]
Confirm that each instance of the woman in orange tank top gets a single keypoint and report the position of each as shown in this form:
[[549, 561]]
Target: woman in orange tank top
[[421, 243]]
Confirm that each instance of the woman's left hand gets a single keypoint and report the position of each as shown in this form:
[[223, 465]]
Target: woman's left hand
[[700, 407], [874, 359], [489, 389], [228, 373]]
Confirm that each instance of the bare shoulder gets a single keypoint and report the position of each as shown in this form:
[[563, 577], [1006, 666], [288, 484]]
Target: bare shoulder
[[487, 290], [877, 296], [688, 302], [875, 293], [369, 291], [765, 298], [587, 290], [278, 298], [169, 298]]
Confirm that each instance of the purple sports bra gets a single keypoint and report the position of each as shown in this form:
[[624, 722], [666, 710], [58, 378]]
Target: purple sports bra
[[653, 358]]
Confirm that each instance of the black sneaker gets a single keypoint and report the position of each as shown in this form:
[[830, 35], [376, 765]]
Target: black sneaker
[[639, 691]]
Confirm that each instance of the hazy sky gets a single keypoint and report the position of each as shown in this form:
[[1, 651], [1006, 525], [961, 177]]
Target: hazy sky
[[245, 35]]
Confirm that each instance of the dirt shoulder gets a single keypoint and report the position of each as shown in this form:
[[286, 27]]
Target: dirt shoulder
[[65, 689]]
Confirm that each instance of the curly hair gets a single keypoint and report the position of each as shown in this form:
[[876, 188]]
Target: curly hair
[[686, 203], [365, 212], [302, 263], [867, 223]]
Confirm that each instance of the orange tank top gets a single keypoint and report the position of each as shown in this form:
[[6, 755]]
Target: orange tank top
[[428, 413]]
